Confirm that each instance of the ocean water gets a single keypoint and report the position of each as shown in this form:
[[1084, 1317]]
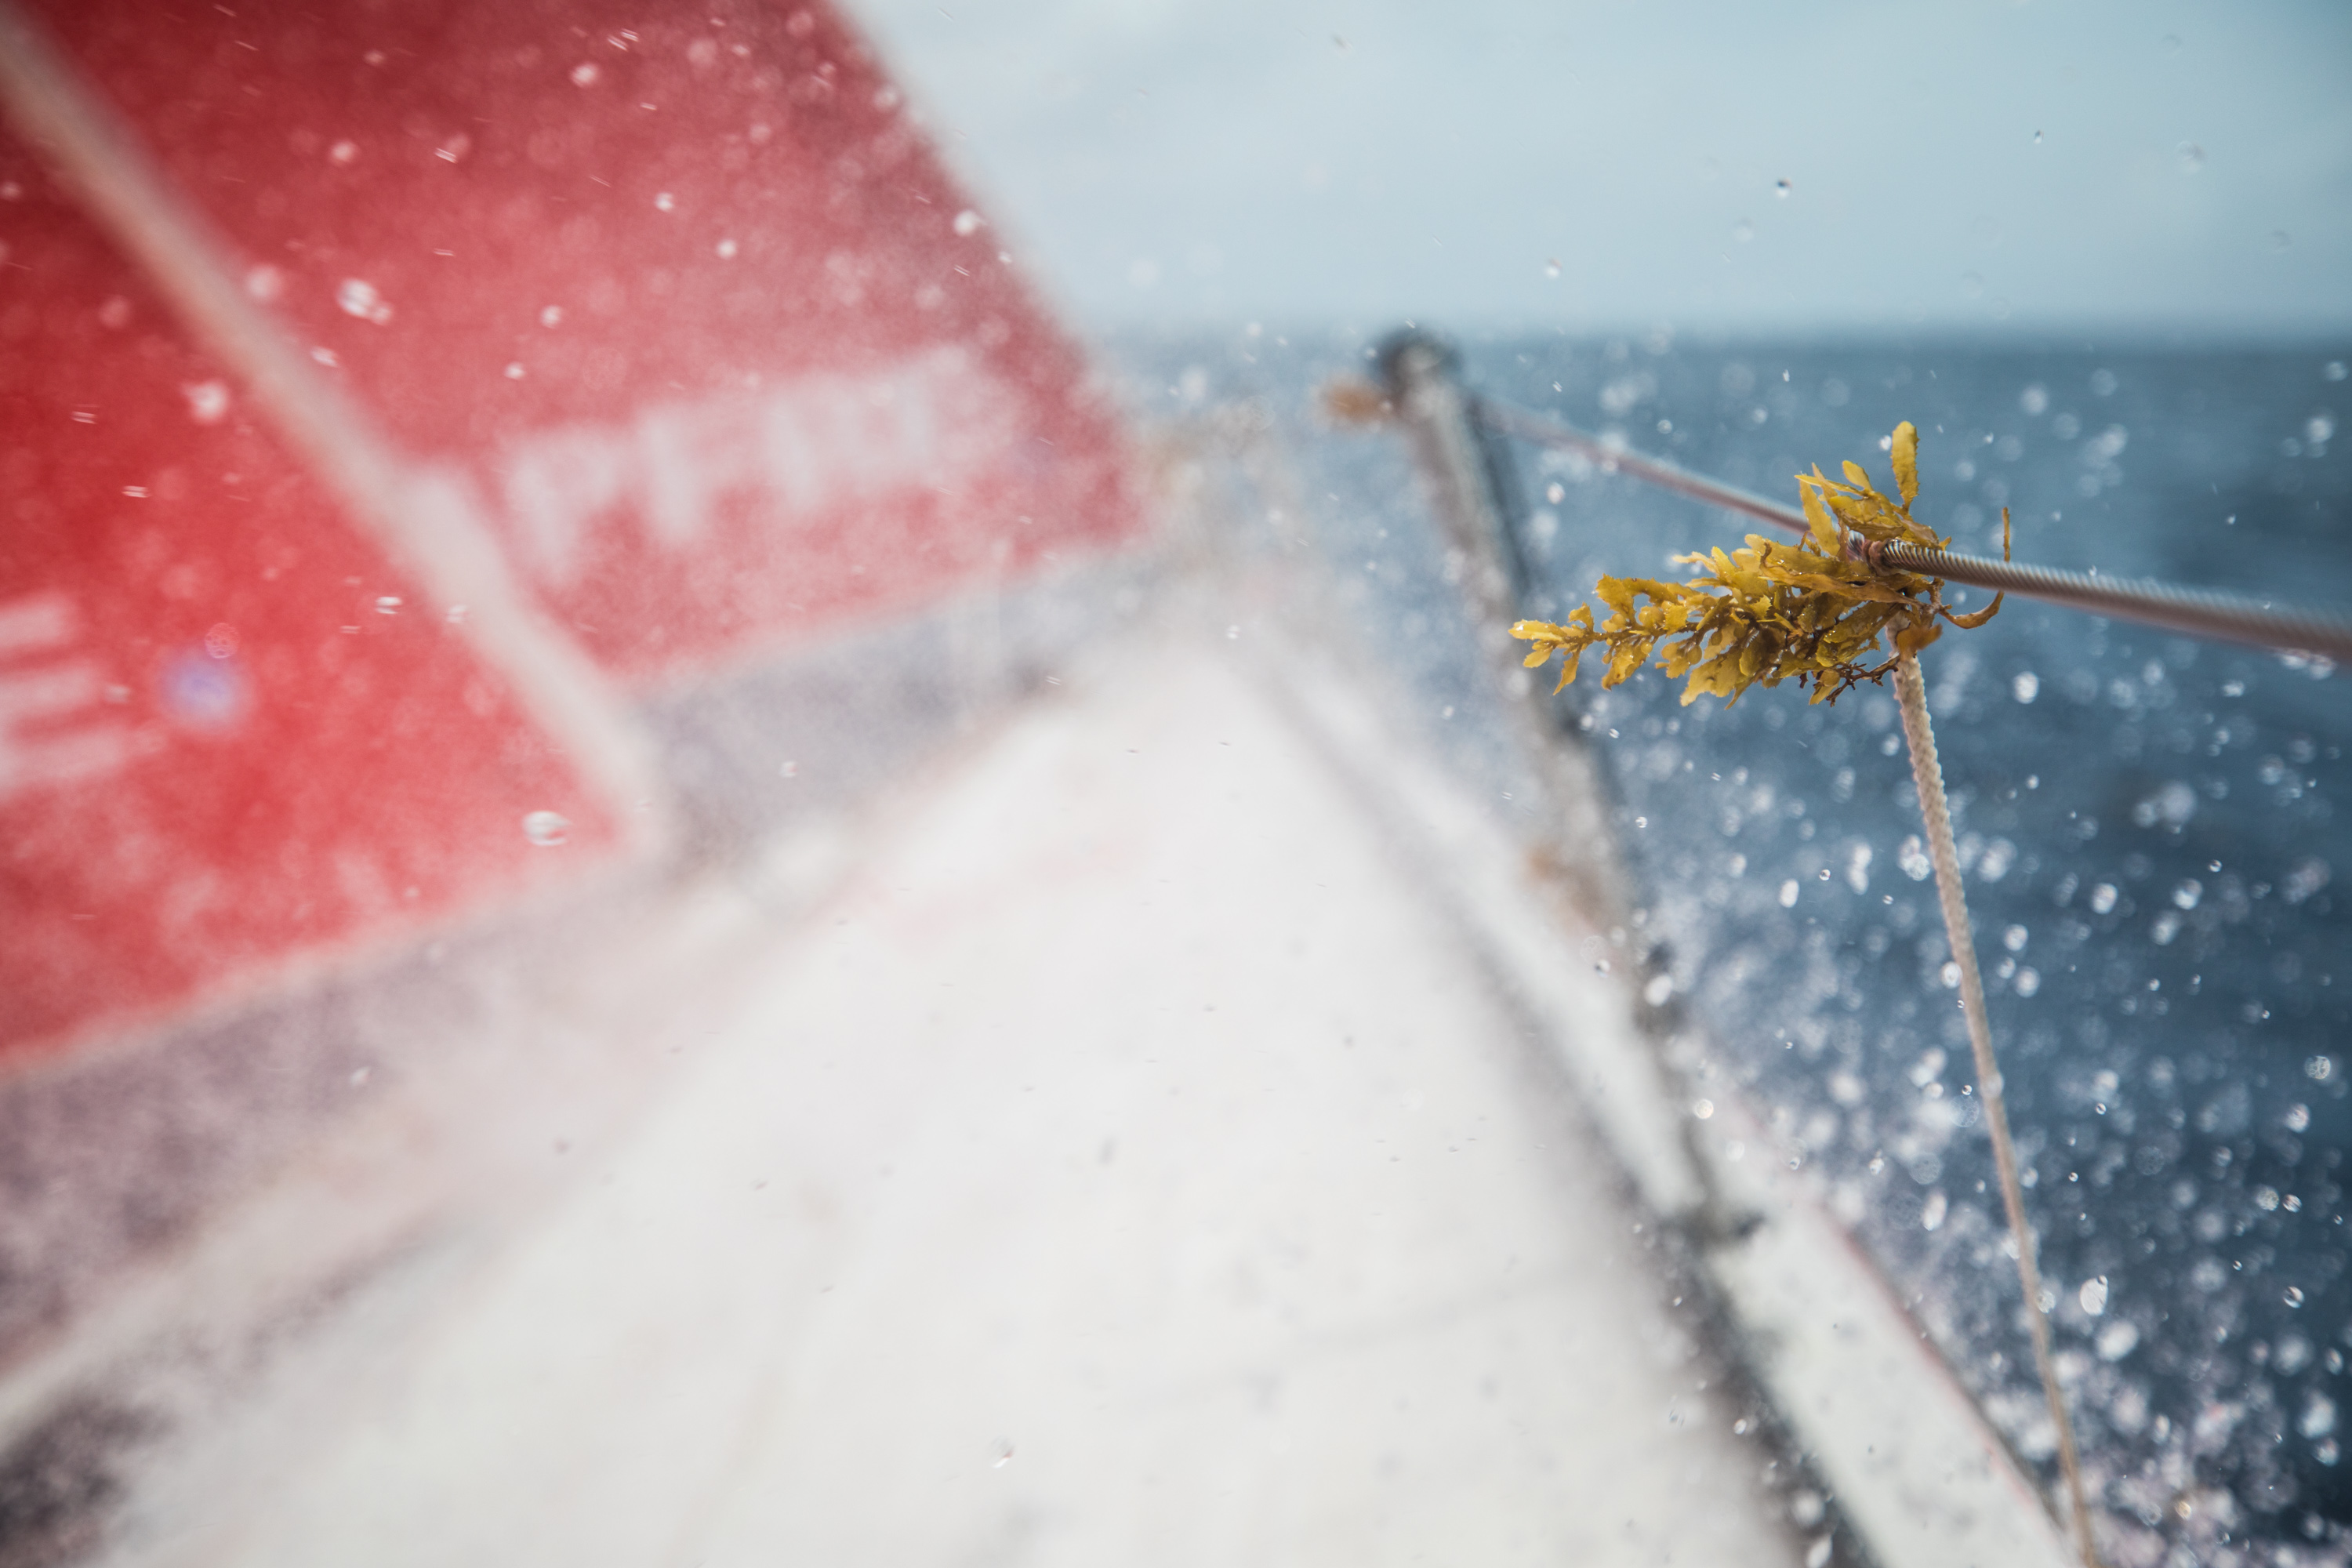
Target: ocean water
[[2160, 882]]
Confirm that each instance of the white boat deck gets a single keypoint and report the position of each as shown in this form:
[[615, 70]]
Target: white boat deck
[[1126, 1164]]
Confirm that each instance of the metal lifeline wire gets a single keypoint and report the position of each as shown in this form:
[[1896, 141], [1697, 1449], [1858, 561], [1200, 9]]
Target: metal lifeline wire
[[2200, 611]]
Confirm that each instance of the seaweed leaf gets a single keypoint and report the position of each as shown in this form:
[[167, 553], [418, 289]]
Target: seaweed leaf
[[1906, 462]]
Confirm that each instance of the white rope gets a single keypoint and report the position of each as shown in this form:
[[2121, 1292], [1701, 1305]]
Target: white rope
[[1911, 692]]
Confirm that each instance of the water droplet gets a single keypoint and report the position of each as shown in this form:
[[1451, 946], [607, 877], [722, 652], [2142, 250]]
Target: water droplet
[[2102, 899], [1703, 1108], [2117, 1340], [2334, 369], [264, 283], [2319, 1070], [552, 316], [790, 771], [1789, 894], [1659, 990], [2293, 1296], [967, 222], [2299, 1117], [664, 202], [358, 297], [326, 356], [1551, 266], [205, 693], [546, 828], [1600, 966], [2192, 158], [514, 371], [2094, 1295], [1911, 855], [2025, 686], [2188, 894], [136, 493], [2037, 139], [207, 400], [585, 74], [344, 153], [387, 604], [1233, 634], [1555, 492], [1781, 188], [1932, 1212], [1004, 1453], [725, 250], [220, 642]]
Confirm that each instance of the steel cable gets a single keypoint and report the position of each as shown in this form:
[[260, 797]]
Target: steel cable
[[2200, 611]]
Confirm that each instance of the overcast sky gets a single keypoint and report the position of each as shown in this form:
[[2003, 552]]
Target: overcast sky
[[1955, 167]]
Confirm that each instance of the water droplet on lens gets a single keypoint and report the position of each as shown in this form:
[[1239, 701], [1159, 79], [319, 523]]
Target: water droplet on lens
[[1781, 188], [967, 221], [388, 604], [2294, 1296], [207, 400], [726, 249], [585, 74], [664, 202], [552, 316], [2192, 157], [546, 828], [1551, 268]]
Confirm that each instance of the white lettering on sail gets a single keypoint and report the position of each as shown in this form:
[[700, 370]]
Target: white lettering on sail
[[925, 424], [51, 732]]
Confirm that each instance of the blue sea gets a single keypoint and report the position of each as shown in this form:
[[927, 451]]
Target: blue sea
[[2160, 883]]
